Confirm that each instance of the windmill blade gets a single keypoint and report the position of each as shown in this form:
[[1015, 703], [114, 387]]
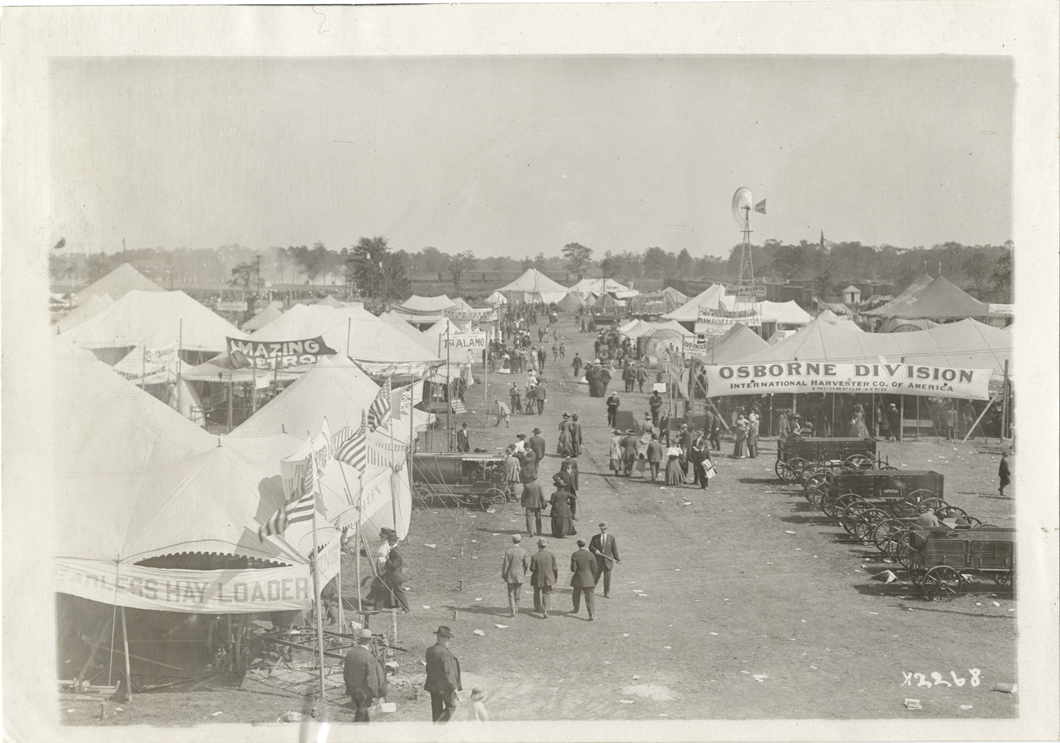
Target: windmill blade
[[760, 207], [741, 205]]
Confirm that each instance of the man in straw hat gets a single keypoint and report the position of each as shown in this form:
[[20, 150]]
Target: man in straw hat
[[543, 575], [443, 676], [364, 675]]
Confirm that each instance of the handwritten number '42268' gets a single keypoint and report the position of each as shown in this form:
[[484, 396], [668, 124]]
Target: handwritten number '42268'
[[936, 679]]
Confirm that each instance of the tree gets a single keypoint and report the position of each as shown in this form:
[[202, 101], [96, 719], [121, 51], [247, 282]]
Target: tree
[[378, 273], [578, 257], [1002, 277], [657, 263], [247, 276], [609, 265], [460, 264], [685, 264]]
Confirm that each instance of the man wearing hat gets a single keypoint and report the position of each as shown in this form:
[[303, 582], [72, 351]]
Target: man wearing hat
[[684, 440], [527, 461], [629, 451], [655, 405], [364, 675], [542, 390], [514, 565], [537, 444], [605, 548], [543, 575], [443, 676], [532, 500], [583, 578], [463, 441]]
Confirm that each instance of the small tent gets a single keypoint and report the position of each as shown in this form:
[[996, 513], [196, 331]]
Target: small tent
[[733, 346], [263, 318], [586, 287], [571, 302], [915, 287], [495, 299], [709, 298], [940, 301], [416, 305]]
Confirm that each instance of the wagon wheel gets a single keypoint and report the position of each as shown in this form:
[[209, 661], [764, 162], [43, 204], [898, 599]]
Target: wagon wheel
[[786, 473], [797, 465], [860, 462], [916, 575], [813, 482], [935, 504], [816, 497], [918, 495], [901, 551], [950, 512], [848, 516], [835, 506], [499, 477], [884, 532], [492, 497], [424, 495], [866, 522], [888, 468], [942, 583], [1003, 578]]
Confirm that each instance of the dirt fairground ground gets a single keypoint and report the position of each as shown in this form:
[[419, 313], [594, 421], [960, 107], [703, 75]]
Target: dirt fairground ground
[[738, 602]]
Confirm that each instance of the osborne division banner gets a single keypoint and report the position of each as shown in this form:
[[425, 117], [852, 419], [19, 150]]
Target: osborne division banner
[[276, 354], [882, 379], [193, 591]]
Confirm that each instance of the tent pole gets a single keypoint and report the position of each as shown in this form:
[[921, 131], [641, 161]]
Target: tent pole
[[231, 394], [448, 396], [918, 417], [981, 415], [180, 343], [1004, 406], [125, 642], [901, 417], [316, 592]]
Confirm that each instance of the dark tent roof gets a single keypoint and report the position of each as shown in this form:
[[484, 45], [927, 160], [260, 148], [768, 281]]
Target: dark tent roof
[[736, 343], [939, 300]]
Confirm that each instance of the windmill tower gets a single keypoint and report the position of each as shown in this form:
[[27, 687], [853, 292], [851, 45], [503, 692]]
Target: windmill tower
[[742, 205]]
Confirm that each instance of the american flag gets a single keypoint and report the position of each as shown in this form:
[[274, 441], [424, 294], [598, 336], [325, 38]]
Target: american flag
[[299, 508], [354, 450], [380, 408]]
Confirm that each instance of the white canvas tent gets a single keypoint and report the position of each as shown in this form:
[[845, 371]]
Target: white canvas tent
[[96, 303], [533, 286], [117, 284], [588, 286], [157, 319], [496, 298], [709, 298]]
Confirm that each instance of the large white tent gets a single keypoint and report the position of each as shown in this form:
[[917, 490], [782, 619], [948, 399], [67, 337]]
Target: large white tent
[[588, 286], [533, 286], [156, 319], [783, 313], [117, 284], [417, 305], [96, 303], [709, 298]]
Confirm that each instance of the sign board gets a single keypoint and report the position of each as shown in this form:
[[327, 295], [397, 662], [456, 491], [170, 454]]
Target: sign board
[[466, 316], [1001, 310], [463, 342], [658, 387], [809, 376], [718, 322], [278, 354], [231, 305]]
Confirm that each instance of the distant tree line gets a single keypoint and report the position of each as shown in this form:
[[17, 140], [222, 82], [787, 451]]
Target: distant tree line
[[374, 269]]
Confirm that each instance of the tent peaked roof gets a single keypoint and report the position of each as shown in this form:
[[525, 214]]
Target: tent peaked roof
[[709, 298], [534, 282], [966, 344], [118, 283], [335, 388], [262, 319], [598, 286], [915, 287], [368, 338], [156, 319], [939, 300], [329, 300], [733, 346], [405, 328], [95, 304], [420, 304]]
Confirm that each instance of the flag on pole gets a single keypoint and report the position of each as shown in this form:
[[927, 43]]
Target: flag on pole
[[760, 207], [354, 451], [405, 407], [380, 407], [299, 508]]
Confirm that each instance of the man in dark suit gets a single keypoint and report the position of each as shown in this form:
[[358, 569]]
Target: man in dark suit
[[528, 463], [533, 501], [583, 578], [364, 675], [463, 443], [605, 548], [443, 676], [684, 440], [513, 572], [543, 575], [697, 455], [537, 444]]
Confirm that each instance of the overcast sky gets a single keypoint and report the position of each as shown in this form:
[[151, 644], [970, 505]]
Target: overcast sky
[[520, 155]]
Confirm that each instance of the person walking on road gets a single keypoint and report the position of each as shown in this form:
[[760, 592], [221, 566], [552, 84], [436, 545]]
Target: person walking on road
[[562, 525], [514, 565], [615, 452], [655, 405], [629, 452], [463, 441], [516, 398], [542, 395], [1004, 474], [443, 676], [575, 435], [613, 402], [567, 480], [394, 574], [583, 579], [605, 549], [532, 501], [504, 413], [513, 467], [364, 675], [654, 456], [537, 444], [543, 575], [563, 445], [642, 377], [577, 364], [697, 455], [675, 471]]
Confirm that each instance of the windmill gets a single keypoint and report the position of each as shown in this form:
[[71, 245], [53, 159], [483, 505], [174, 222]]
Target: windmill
[[742, 205]]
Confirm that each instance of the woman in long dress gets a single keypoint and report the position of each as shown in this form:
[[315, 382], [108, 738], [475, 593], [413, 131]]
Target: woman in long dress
[[562, 525], [739, 449], [563, 446], [616, 451], [675, 474], [860, 429], [575, 435]]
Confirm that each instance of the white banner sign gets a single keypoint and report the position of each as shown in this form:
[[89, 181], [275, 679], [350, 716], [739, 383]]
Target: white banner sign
[[810, 376], [463, 342], [193, 591]]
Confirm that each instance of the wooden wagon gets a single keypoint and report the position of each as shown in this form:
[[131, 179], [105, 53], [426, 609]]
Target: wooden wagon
[[941, 560], [468, 479]]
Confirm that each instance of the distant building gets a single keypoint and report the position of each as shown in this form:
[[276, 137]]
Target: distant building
[[851, 296]]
